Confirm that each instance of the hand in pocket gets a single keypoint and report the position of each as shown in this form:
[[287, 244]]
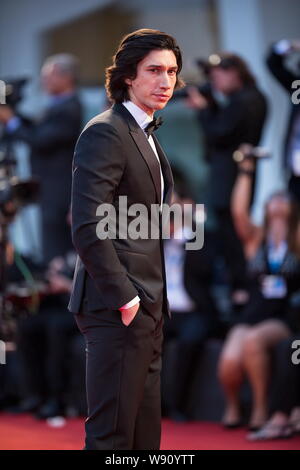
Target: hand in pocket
[[128, 314]]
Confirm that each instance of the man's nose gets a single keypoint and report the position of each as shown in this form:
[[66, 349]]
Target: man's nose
[[165, 81]]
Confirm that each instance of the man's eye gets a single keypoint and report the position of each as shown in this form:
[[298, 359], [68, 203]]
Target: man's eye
[[153, 70], [172, 72]]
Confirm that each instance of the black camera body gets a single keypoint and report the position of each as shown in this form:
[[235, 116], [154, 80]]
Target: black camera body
[[14, 91], [205, 90]]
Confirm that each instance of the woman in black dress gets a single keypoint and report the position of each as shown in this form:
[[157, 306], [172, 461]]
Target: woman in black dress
[[274, 274]]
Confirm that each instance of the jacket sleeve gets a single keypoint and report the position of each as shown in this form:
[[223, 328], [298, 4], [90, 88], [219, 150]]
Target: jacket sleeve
[[97, 170], [241, 121], [220, 125], [275, 63], [52, 133]]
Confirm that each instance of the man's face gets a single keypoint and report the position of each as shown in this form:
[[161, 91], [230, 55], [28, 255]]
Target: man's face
[[225, 80], [53, 81], [155, 80]]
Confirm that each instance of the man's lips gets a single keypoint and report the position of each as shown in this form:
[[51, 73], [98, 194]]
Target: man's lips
[[161, 96]]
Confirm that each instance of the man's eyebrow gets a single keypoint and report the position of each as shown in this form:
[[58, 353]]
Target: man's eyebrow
[[162, 66]]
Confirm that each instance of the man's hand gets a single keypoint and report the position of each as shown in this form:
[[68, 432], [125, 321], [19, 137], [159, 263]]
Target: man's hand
[[6, 113], [59, 284], [195, 99], [128, 314], [57, 264]]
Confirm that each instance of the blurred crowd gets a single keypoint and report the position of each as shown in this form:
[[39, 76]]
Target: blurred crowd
[[253, 270]]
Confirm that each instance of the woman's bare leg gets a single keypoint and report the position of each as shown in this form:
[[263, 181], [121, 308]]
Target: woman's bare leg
[[230, 372], [260, 339]]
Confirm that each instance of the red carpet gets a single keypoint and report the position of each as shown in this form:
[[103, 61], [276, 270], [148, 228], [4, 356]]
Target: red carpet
[[26, 433]]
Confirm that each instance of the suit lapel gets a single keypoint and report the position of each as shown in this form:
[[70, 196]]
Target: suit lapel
[[166, 171], [148, 155], [143, 147]]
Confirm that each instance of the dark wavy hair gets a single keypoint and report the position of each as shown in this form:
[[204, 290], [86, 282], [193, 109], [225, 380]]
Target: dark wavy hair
[[132, 49], [234, 61]]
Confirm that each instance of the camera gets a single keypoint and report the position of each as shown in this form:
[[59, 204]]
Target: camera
[[15, 193], [205, 90], [13, 91], [248, 151]]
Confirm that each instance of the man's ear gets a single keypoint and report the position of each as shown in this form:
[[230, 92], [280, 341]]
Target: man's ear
[[128, 81]]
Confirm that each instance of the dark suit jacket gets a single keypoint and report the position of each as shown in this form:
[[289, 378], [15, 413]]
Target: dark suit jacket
[[285, 77], [52, 140], [225, 128], [113, 158]]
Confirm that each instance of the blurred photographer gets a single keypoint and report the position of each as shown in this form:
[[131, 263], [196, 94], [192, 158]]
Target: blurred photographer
[[45, 344], [231, 111], [52, 140], [273, 275], [284, 63]]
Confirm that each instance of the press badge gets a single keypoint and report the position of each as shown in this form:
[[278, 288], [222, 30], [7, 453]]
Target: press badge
[[273, 287]]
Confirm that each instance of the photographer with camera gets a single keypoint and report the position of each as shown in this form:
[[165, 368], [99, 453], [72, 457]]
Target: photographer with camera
[[272, 253], [280, 62], [231, 111], [52, 140]]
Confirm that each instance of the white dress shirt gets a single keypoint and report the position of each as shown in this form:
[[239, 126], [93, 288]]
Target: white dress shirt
[[143, 119], [179, 298]]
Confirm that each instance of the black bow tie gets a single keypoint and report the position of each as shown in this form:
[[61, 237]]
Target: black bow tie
[[153, 125]]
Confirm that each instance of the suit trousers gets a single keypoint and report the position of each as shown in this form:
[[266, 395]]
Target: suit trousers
[[123, 366]]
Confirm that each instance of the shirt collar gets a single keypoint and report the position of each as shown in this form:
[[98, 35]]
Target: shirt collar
[[141, 117], [54, 100]]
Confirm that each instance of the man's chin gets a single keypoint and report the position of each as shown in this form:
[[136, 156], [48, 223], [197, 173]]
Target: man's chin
[[159, 106]]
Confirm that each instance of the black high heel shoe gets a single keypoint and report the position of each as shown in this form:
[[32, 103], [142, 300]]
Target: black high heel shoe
[[233, 425]]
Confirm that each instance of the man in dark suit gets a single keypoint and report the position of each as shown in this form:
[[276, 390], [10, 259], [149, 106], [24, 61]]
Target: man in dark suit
[[52, 140], [278, 56], [119, 292]]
